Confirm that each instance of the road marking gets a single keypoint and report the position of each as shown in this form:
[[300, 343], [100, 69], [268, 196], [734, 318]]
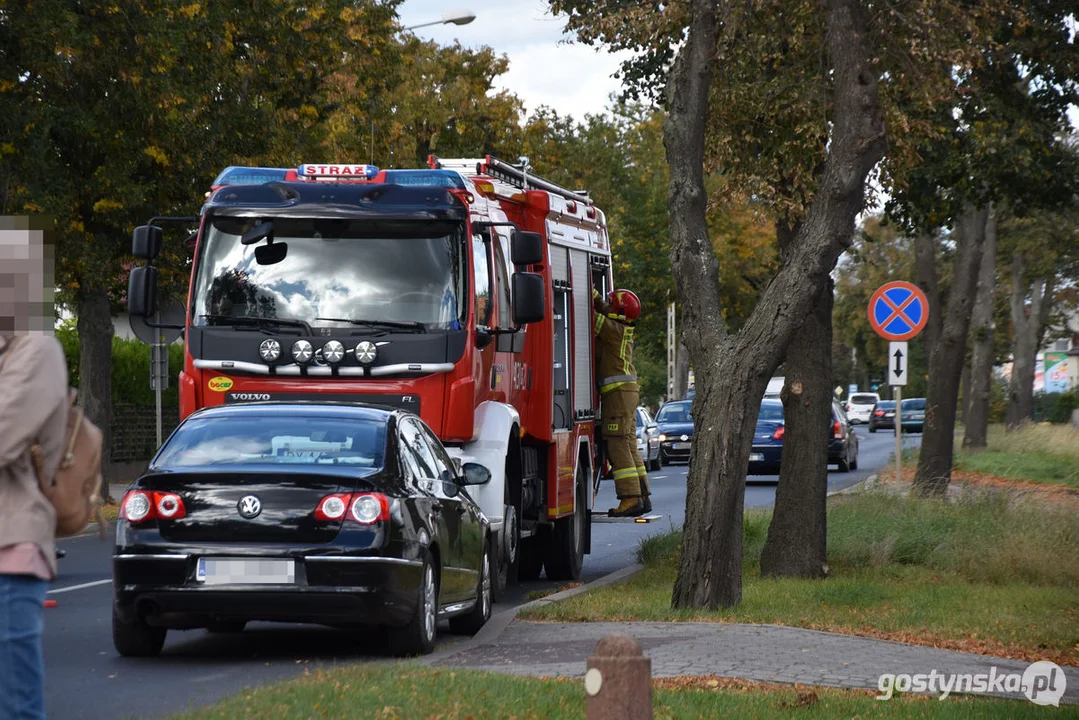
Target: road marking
[[658, 477], [95, 583]]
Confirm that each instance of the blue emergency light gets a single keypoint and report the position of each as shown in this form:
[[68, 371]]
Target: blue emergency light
[[241, 175]]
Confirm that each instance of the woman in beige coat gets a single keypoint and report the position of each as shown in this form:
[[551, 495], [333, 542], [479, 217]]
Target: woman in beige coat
[[33, 393]]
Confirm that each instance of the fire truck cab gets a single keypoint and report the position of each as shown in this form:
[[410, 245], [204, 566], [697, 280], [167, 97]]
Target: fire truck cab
[[461, 292]]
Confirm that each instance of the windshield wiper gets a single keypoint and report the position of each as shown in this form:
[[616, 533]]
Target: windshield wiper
[[412, 325], [259, 322]]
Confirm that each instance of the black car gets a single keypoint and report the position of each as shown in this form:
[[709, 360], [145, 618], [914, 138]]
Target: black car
[[675, 424], [883, 416], [768, 436], [843, 441], [342, 515]]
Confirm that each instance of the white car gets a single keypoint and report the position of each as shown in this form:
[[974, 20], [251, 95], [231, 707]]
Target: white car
[[859, 406]]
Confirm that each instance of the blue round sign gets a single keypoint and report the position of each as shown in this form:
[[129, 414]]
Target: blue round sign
[[898, 311]]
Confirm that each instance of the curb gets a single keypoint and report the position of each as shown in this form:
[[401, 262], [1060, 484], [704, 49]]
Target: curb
[[498, 623], [867, 482]]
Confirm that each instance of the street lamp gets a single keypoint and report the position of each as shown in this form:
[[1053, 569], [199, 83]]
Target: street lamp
[[460, 16]]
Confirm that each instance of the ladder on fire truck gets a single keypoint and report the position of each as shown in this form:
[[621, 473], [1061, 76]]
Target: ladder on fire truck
[[514, 175]]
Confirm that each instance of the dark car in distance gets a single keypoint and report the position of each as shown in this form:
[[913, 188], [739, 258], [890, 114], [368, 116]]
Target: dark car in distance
[[675, 424], [766, 454], [341, 515], [883, 416], [913, 414]]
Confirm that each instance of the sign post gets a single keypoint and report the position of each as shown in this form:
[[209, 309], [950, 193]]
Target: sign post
[[897, 312]]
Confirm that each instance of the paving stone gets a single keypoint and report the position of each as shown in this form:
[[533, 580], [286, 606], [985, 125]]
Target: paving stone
[[752, 652]]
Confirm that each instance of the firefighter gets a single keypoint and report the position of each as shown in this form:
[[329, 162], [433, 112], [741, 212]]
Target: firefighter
[[619, 394]]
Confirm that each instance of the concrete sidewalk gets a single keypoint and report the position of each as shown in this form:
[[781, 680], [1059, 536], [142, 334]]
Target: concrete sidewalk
[[751, 652]]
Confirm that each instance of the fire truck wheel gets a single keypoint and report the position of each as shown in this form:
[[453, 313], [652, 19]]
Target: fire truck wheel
[[565, 551], [530, 555]]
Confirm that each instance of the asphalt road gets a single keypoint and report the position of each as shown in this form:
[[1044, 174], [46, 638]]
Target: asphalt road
[[86, 679]]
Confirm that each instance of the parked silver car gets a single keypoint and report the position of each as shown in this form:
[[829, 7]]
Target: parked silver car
[[648, 438]]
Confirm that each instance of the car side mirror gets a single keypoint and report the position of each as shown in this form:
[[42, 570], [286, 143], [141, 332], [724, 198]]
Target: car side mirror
[[146, 242], [526, 248], [142, 291], [474, 474], [652, 428], [529, 298]]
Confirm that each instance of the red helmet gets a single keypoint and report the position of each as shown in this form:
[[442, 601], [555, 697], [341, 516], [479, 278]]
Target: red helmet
[[625, 303]]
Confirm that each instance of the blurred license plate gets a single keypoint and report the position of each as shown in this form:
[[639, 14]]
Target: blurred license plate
[[681, 446], [756, 457], [889, 414], [245, 571]]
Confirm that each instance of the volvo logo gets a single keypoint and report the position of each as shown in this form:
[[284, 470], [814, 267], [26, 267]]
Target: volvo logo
[[249, 506], [366, 352], [249, 396]]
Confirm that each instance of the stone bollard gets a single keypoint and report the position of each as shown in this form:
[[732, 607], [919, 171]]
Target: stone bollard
[[618, 681]]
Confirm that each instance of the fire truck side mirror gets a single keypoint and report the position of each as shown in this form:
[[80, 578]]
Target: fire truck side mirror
[[529, 299], [146, 242], [526, 248], [142, 291]]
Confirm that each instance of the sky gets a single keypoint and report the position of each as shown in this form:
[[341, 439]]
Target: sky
[[573, 79]]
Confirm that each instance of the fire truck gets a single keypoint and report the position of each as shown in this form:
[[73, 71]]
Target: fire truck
[[461, 292]]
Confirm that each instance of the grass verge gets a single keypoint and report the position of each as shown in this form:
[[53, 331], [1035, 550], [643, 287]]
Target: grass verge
[[1035, 453], [386, 692], [979, 575]]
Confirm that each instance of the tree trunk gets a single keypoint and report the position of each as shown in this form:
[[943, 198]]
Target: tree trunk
[[964, 390], [797, 536], [681, 371], [946, 361], [95, 369], [925, 263], [733, 372], [1027, 329], [982, 330]]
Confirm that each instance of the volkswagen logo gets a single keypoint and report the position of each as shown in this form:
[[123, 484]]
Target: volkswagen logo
[[249, 506], [366, 352]]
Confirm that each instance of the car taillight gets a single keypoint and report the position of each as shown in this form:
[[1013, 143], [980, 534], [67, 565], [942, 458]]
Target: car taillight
[[878, 413], [332, 507], [370, 508], [169, 506], [142, 505], [778, 434], [837, 430], [365, 508]]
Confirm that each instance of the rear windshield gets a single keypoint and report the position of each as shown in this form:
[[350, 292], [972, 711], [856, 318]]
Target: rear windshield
[[675, 413], [863, 399], [269, 439], [771, 411], [914, 404], [886, 405]]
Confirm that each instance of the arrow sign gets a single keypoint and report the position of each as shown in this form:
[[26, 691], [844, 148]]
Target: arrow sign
[[897, 373]]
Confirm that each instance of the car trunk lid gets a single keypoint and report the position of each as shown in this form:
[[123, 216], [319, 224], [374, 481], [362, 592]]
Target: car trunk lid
[[252, 506]]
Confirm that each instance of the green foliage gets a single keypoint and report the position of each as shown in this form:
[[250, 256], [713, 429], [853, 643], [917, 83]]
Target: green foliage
[[130, 368], [1055, 407]]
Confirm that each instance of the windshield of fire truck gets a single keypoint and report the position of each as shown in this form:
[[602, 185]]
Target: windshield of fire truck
[[403, 271]]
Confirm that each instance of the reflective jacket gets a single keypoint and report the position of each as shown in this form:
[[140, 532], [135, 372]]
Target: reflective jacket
[[614, 348]]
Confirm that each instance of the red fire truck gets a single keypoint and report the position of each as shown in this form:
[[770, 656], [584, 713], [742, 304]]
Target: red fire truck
[[461, 292]]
